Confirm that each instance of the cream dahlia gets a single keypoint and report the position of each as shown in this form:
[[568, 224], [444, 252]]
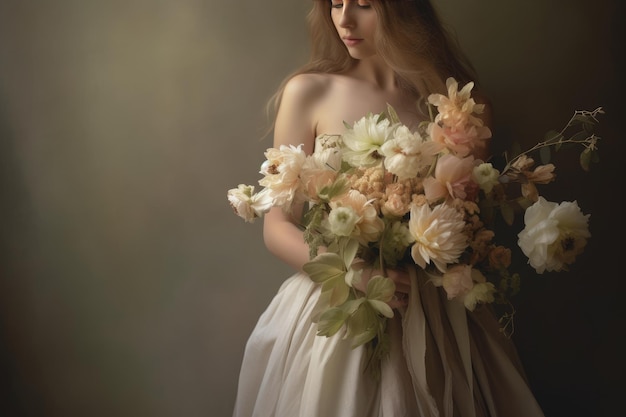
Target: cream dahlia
[[438, 235]]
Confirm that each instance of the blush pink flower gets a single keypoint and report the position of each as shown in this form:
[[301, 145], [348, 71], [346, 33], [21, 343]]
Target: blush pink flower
[[460, 141], [316, 173], [452, 178], [466, 284], [455, 127], [457, 280], [457, 108]]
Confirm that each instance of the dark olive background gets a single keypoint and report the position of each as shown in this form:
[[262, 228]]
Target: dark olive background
[[128, 287]]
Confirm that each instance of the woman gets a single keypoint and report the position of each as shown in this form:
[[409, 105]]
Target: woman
[[443, 361]]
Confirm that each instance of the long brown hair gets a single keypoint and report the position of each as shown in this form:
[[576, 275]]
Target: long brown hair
[[411, 38]]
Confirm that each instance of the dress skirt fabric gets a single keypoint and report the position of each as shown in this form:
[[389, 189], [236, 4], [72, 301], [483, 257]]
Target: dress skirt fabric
[[444, 361]]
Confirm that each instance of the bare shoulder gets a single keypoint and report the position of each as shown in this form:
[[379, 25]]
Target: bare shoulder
[[297, 117], [306, 90]]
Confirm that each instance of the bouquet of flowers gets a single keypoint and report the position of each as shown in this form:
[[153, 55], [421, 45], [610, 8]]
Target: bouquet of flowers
[[383, 195]]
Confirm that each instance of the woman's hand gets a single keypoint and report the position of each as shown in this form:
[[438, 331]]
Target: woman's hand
[[399, 276]]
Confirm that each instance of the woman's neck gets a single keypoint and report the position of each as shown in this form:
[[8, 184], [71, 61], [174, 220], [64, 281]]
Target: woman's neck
[[375, 72]]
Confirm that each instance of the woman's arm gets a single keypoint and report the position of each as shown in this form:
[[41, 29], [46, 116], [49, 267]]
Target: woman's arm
[[295, 125]]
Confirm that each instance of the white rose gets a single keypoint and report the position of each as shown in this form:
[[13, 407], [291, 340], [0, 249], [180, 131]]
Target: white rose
[[554, 234]]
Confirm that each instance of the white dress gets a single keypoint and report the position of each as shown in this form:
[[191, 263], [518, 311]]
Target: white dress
[[444, 361]]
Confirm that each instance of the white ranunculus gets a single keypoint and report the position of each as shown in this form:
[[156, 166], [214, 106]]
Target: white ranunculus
[[438, 234], [342, 220], [554, 234], [486, 176], [404, 153], [363, 141], [247, 204]]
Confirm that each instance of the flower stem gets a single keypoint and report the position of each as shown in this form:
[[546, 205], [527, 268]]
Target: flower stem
[[558, 138]]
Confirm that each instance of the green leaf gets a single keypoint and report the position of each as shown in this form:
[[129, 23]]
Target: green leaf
[[381, 307], [351, 306], [595, 156], [587, 120], [393, 116], [589, 128], [349, 248], [339, 291], [329, 270], [353, 276], [560, 146], [331, 321], [579, 136], [363, 325], [585, 159], [363, 337], [583, 119], [324, 267], [515, 282], [545, 154], [523, 203], [508, 213], [552, 136], [337, 188], [380, 288], [314, 241]]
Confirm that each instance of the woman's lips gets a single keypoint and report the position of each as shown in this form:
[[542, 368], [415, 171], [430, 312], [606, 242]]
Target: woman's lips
[[352, 41]]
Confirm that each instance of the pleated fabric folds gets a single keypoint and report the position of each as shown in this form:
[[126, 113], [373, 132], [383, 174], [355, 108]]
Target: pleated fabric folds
[[444, 361]]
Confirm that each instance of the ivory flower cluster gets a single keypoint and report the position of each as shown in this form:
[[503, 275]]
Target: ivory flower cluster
[[385, 195]]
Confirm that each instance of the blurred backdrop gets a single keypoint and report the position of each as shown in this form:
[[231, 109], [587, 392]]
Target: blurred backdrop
[[127, 285]]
